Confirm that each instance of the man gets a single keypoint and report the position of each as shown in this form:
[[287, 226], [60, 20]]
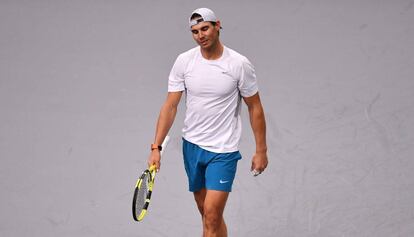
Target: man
[[215, 79]]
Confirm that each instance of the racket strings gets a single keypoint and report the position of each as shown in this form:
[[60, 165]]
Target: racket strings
[[142, 193]]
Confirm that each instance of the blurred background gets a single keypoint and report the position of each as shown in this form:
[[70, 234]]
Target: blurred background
[[82, 82]]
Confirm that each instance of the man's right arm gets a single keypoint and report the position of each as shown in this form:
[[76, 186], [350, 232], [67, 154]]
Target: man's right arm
[[165, 121]]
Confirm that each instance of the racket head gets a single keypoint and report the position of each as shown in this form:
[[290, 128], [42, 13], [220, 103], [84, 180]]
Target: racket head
[[143, 189], [142, 193]]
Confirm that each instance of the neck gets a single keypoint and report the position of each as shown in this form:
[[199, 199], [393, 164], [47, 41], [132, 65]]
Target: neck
[[213, 52]]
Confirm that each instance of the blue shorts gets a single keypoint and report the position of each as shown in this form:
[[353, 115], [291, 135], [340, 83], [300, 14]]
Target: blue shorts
[[210, 170]]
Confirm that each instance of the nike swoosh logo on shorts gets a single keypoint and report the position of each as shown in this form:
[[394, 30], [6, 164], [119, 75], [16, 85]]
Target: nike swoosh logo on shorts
[[223, 182]]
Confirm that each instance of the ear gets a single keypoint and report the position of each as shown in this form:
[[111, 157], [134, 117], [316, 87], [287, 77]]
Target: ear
[[218, 24]]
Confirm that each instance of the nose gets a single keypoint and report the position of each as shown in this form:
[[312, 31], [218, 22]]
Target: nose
[[200, 34]]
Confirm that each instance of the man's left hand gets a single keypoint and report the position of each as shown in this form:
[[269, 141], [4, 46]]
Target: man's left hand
[[259, 162]]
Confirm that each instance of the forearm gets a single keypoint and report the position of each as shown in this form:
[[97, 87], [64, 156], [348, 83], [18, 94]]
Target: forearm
[[164, 123], [258, 124]]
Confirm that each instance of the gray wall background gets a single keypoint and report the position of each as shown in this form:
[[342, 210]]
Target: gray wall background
[[81, 84]]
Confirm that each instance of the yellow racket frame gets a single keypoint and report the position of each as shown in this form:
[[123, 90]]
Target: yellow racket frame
[[152, 172]]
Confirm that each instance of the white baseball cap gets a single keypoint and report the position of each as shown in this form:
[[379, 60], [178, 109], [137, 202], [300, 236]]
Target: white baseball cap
[[206, 15]]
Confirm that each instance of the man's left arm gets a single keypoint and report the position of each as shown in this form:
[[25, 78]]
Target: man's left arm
[[258, 123]]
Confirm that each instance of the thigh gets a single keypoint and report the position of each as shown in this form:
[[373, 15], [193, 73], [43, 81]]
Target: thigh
[[200, 197], [221, 171], [214, 202], [194, 166]]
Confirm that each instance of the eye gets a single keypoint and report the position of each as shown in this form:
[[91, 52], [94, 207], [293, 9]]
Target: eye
[[204, 28], [195, 31]]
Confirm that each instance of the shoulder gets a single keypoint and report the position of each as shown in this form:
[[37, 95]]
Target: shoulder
[[189, 53], [184, 58], [237, 58], [239, 62]]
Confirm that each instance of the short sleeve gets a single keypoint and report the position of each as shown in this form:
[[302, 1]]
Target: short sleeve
[[248, 82], [176, 77]]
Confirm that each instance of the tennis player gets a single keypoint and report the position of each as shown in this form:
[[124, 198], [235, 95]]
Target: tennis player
[[215, 79]]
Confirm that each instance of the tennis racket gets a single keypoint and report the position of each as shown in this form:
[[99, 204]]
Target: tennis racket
[[143, 189]]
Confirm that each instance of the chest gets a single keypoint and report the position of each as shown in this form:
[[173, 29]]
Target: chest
[[209, 79]]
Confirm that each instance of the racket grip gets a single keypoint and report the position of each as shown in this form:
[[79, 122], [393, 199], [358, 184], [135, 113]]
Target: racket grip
[[164, 144]]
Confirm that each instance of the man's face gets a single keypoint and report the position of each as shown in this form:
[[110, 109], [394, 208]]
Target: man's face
[[206, 34]]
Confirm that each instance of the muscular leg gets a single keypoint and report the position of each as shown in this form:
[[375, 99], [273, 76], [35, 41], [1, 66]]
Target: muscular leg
[[211, 205], [199, 197]]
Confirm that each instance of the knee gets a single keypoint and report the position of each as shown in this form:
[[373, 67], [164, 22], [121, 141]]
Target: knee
[[212, 219]]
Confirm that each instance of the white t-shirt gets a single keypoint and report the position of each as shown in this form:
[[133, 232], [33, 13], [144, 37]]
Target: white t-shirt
[[213, 96]]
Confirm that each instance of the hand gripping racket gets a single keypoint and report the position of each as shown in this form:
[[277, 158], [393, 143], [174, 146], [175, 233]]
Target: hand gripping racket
[[143, 189]]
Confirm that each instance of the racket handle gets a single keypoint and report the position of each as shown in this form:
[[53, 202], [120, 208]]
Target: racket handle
[[165, 143], [152, 168]]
